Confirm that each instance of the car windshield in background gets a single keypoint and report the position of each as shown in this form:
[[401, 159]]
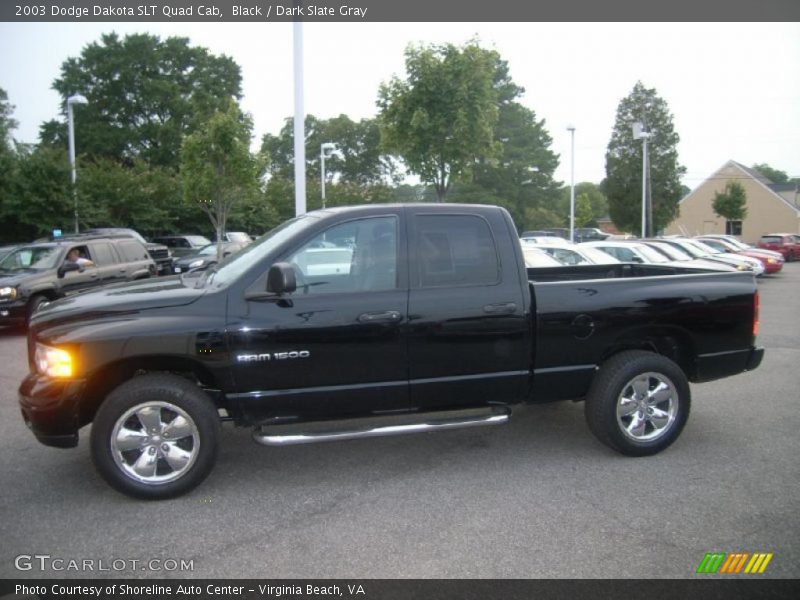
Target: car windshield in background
[[31, 257], [209, 250], [704, 247], [232, 267], [653, 256], [239, 237], [198, 240], [672, 252], [598, 256]]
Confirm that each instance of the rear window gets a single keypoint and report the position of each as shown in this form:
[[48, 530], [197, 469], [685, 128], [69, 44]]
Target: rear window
[[456, 250], [131, 250], [772, 239]]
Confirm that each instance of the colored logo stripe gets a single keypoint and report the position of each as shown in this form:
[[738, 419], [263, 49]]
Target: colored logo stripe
[[735, 562], [711, 562], [721, 562], [758, 564]]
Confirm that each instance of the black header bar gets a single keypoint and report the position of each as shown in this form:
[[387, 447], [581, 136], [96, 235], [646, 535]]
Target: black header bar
[[255, 11]]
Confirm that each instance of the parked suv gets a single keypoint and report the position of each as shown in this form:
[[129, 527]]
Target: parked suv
[[158, 252], [41, 272]]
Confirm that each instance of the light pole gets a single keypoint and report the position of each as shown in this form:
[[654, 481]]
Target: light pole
[[299, 122], [76, 99], [325, 150], [571, 129], [640, 134]]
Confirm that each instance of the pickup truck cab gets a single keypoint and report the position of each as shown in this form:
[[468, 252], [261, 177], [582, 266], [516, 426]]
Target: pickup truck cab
[[426, 318]]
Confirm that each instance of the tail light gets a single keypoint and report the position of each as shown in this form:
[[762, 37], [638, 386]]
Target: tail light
[[756, 313]]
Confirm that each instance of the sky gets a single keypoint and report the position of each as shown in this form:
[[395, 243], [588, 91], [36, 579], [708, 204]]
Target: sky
[[732, 88]]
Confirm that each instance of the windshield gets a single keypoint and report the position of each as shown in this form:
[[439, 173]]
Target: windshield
[[38, 258], [597, 256], [209, 250], [672, 252], [232, 267], [653, 256], [691, 249], [703, 247]]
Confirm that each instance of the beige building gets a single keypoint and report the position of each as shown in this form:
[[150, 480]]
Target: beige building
[[771, 208]]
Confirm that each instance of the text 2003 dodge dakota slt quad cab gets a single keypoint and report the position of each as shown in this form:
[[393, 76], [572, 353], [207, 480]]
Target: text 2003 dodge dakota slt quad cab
[[370, 321]]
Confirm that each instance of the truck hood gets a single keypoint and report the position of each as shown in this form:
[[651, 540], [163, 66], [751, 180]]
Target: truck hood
[[16, 278], [115, 299]]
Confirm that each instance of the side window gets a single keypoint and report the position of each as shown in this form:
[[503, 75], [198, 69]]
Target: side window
[[131, 250], [103, 254], [83, 253], [624, 255], [455, 250], [357, 256]]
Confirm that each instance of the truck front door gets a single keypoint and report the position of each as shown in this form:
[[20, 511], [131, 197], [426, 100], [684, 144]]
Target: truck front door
[[336, 346]]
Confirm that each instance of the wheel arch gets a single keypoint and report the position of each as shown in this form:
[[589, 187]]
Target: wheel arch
[[110, 376], [672, 342]]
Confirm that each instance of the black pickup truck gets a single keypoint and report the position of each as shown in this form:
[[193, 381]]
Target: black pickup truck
[[372, 321]]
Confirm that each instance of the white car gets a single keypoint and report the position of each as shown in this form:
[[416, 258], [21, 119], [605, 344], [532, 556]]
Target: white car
[[576, 255], [534, 257], [544, 240]]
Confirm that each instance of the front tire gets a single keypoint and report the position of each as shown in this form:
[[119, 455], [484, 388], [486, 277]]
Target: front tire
[[155, 437], [638, 403]]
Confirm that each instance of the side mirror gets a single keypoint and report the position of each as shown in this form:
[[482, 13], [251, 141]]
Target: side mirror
[[637, 259], [281, 279], [68, 267]]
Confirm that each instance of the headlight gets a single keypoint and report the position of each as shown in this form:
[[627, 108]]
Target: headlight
[[196, 263], [53, 362], [8, 293], [772, 261]]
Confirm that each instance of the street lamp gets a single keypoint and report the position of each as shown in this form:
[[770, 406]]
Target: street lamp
[[325, 151], [639, 133], [76, 99], [571, 129]]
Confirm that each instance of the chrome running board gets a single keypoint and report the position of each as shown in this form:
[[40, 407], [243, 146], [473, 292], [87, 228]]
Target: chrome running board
[[332, 431]]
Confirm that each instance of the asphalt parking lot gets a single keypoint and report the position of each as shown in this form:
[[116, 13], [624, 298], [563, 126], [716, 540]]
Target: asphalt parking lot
[[537, 498]]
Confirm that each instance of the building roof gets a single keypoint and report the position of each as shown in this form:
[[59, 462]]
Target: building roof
[[769, 186]]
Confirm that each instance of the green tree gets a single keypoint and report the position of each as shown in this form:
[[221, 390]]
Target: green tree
[[40, 198], [144, 94], [357, 173], [519, 176], [732, 203], [358, 158], [8, 159], [146, 198], [217, 168], [774, 175], [597, 201], [623, 183], [440, 119], [583, 210]]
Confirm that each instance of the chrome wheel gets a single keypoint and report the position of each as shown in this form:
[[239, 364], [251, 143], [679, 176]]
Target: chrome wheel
[[647, 407], [155, 442]]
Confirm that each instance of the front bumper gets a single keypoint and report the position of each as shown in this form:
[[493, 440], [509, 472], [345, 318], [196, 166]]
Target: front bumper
[[50, 408], [13, 313]]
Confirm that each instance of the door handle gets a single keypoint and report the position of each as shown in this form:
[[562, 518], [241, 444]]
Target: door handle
[[505, 308], [387, 316]]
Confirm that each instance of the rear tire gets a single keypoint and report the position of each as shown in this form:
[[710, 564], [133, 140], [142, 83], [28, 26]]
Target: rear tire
[[638, 403], [155, 437]]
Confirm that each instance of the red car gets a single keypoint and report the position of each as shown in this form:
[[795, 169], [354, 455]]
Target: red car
[[785, 243], [772, 263]]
